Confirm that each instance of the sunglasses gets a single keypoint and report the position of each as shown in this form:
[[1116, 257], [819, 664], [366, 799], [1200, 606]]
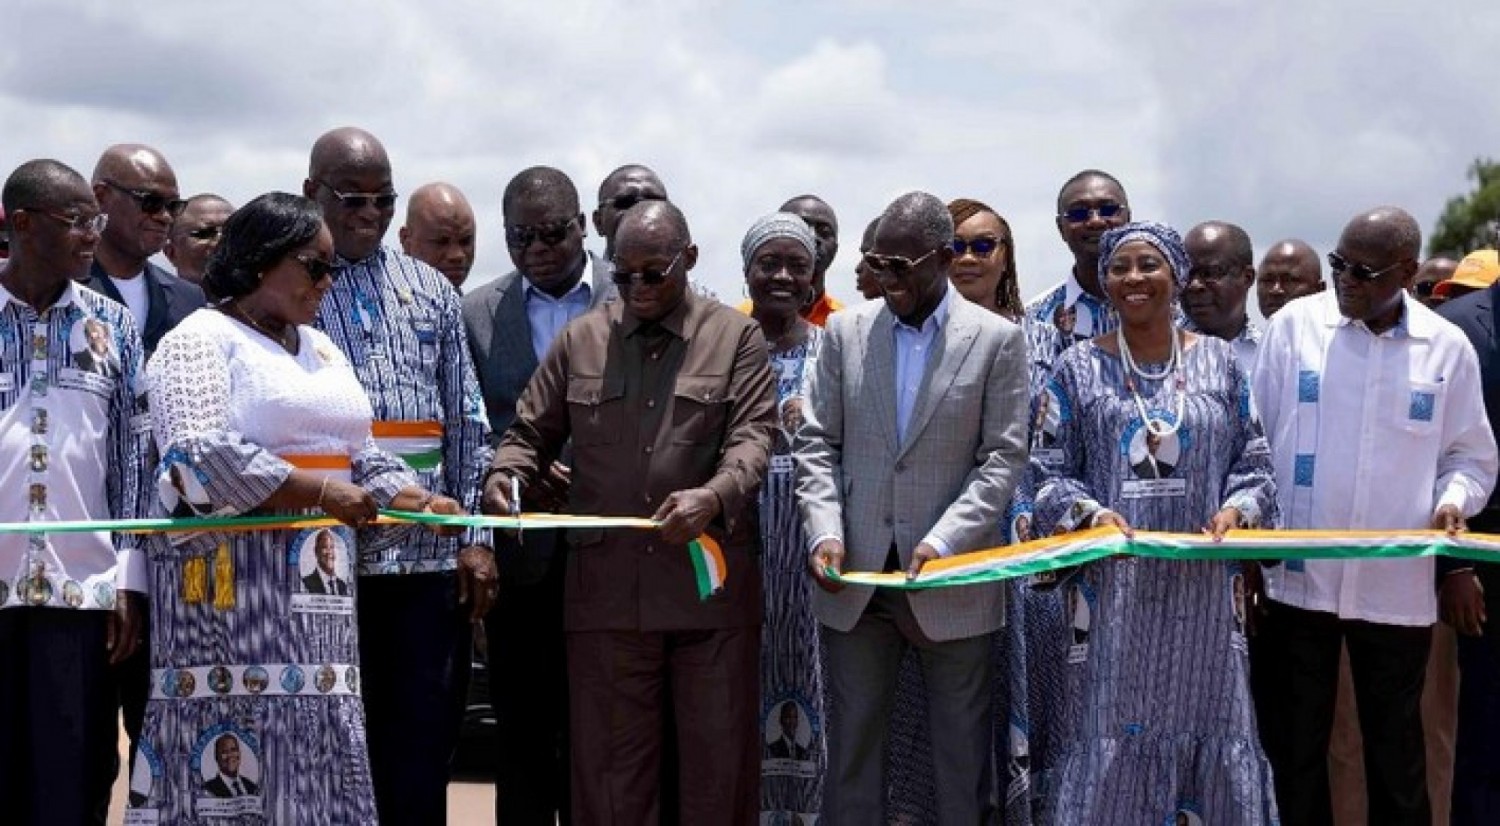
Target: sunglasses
[[316, 268], [77, 223], [1424, 289], [520, 237], [360, 200], [1079, 214], [647, 277], [897, 266], [626, 200], [207, 233], [150, 202], [981, 247], [1359, 272]]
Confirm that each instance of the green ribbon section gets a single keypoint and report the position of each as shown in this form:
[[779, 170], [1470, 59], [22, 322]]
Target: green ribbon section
[[423, 460], [1052, 554]]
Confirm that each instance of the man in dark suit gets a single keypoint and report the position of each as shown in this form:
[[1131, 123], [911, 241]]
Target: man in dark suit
[[325, 580], [511, 322], [786, 746], [137, 189], [1470, 591], [229, 782]]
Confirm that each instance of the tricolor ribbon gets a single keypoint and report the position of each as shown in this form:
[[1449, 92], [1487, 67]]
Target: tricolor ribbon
[[1068, 550]]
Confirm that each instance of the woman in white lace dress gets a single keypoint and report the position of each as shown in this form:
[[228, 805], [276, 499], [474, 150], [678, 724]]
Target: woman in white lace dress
[[255, 713]]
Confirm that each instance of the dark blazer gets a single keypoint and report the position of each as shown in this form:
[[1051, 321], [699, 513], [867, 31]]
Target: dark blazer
[[1476, 315], [314, 585], [216, 787], [500, 342], [171, 300]]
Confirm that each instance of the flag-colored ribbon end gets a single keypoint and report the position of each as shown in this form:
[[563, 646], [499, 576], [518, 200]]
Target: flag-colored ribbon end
[[708, 565]]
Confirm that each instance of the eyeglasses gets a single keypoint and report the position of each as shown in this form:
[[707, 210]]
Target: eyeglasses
[[1079, 214], [520, 237], [626, 200], [770, 265], [897, 266], [208, 233], [1210, 275], [316, 268], [981, 247], [1423, 289], [77, 223], [648, 277], [150, 202], [1359, 272], [360, 200]]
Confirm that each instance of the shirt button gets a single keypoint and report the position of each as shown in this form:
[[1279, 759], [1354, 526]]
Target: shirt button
[[651, 402], [649, 448], [650, 549], [655, 356], [887, 521], [900, 467]]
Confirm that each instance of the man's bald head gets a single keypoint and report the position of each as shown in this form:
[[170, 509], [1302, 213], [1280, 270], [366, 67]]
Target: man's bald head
[[653, 237], [656, 218], [1377, 252], [1220, 275], [1290, 269], [821, 220], [137, 189], [622, 189], [1388, 230], [1433, 272], [346, 148], [440, 230], [349, 175]]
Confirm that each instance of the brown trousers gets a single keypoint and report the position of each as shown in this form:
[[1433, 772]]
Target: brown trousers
[[618, 685], [1346, 771]]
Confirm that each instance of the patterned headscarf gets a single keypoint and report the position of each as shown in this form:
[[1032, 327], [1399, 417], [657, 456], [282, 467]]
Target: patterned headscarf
[[777, 225], [1164, 238]]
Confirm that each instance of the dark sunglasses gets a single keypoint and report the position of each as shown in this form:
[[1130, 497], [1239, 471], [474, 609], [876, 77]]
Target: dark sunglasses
[[151, 202], [897, 266], [1359, 272], [206, 233], [981, 247], [626, 200], [519, 237], [1079, 214], [360, 200], [772, 265], [1424, 289], [316, 268], [648, 277]]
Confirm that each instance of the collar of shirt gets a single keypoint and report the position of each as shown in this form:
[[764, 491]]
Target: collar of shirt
[[581, 293], [69, 296], [675, 322], [933, 323], [1413, 323]]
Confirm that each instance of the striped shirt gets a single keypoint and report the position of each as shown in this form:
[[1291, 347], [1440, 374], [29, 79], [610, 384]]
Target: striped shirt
[[400, 323], [75, 426]]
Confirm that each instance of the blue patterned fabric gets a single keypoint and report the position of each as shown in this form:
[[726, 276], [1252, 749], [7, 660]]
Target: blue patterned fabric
[[401, 325], [791, 668], [1155, 716], [1164, 238]]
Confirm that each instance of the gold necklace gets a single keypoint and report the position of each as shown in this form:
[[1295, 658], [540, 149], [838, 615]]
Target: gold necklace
[[279, 339]]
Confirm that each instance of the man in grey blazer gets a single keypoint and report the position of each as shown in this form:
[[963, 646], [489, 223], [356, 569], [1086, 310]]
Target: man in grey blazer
[[511, 322], [913, 443]]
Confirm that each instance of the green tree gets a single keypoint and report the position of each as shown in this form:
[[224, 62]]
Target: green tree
[[1469, 221]]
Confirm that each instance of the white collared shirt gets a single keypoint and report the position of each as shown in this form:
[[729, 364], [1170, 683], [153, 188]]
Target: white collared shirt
[[1369, 432]]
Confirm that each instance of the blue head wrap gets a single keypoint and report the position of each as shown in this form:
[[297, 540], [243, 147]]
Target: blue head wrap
[[1164, 238]]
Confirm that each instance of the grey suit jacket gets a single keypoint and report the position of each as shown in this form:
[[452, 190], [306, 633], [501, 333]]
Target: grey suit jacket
[[500, 340], [964, 454]]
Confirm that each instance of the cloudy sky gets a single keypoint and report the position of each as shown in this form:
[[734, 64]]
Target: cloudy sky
[[1284, 118]]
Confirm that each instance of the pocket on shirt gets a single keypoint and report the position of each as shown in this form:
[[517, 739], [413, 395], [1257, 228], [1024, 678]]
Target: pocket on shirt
[[596, 412], [1422, 407], [700, 407]]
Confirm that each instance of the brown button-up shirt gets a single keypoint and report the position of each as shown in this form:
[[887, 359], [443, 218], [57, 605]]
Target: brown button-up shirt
[[652, 408]]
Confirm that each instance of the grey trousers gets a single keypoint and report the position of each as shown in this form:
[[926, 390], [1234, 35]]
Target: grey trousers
[[861, 681]]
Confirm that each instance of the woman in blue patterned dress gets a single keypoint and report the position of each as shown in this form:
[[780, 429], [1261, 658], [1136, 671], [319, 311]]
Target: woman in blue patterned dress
[[778, 251], [255, 713], [1155, 432]]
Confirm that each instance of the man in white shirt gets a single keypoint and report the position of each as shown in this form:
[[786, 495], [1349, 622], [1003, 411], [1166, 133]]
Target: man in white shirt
[[1373, 408]]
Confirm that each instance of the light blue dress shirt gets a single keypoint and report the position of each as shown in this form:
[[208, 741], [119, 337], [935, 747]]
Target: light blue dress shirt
[[549, 315], [913, 351]]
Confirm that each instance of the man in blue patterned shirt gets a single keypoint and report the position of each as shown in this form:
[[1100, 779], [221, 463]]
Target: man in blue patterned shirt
[[72, 605], [401, 326], [1089, 204]]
